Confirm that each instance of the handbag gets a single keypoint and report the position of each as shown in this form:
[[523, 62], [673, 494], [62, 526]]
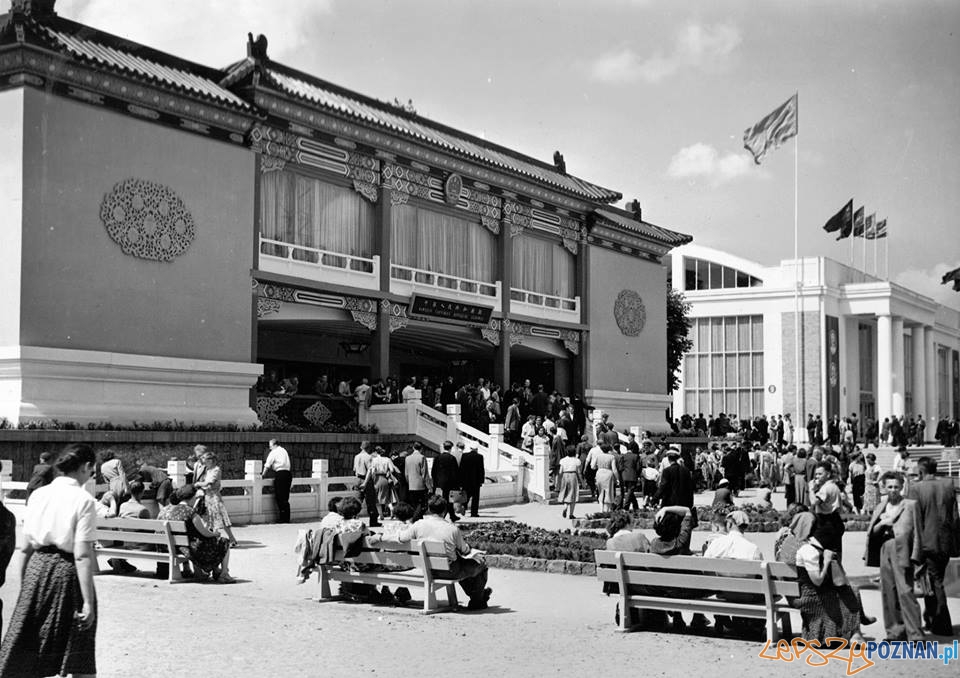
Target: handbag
[[200, 505]]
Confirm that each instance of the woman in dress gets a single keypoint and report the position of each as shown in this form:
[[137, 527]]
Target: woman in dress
[[871, 494], [570, 479], [54, 625], [208, 551], [605, 464], [214, 512], [380, 474], [829, 607]]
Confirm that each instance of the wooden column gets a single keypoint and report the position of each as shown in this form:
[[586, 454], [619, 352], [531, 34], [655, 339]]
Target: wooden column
[[581, 372], [380, 346]]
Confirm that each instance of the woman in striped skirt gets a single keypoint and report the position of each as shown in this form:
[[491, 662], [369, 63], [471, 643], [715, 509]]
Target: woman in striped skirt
[[53, 627]]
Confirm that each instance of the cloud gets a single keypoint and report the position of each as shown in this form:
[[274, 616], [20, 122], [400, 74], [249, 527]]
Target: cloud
[[183, 27], [702, 161], [696, 46], [927, 283]]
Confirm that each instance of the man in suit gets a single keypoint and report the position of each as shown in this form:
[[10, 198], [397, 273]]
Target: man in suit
[[472, 475], [676, 483], [939, 537], [894, 524], [418, 480], [629, 464], [446, 476]]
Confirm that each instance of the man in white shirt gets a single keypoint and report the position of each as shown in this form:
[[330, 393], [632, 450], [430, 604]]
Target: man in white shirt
[[367, 491], [409, 391], [278, 460], [434, 527], [362, 395], [733, 544]]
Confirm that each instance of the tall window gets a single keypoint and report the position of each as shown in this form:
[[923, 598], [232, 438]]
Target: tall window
[[543, 266], [865, 351], [723, 372], [442, 243], [311, 213], [908, 374]]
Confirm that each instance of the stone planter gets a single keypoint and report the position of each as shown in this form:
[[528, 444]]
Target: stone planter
[[504, 562]]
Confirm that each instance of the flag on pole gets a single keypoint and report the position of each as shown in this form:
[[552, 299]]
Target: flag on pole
[[870, 229], [841, 221], [953, 275], [881, 229], [773, 130], [858, 222]]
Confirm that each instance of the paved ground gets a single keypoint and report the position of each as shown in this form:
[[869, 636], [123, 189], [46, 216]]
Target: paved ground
[[539, 624]]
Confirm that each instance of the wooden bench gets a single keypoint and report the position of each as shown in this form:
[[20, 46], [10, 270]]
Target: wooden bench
[[425, 563], [771, 580], [171, 534]]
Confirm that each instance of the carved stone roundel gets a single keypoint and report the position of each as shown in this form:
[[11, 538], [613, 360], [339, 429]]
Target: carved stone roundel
[[630, 313], [148, 220]]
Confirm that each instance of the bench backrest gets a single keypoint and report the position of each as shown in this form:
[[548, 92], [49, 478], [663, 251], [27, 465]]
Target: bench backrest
[[421, 554], [136, 531], [716, 575]]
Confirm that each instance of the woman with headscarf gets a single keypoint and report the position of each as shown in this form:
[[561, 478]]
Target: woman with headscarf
[[53, 627]]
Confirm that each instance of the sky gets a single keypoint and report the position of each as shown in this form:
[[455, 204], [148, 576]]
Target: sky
[[651, 98]]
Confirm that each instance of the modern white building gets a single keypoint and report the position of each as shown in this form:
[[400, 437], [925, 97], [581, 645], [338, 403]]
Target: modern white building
[[866, 345]]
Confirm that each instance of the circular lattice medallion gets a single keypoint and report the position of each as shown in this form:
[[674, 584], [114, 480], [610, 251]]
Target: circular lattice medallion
[[630, 313], [148, 220]]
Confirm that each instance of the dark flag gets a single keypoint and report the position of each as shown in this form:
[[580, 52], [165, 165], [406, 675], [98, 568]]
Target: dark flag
[[953, 275], [841, 221], [858, 222], [870, 229]]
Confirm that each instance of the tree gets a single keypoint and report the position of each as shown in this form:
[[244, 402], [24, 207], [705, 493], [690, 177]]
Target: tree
[[678, 341]]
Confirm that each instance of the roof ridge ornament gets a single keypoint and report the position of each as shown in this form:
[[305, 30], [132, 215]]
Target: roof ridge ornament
[[634, 207], [35, 8], [257, 49]]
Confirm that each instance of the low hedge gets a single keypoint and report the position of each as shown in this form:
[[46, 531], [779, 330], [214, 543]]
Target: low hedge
[[762, 518], [509, 538]]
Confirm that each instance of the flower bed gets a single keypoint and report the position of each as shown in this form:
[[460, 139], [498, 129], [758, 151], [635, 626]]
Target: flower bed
[[762, 519], [509, 538]]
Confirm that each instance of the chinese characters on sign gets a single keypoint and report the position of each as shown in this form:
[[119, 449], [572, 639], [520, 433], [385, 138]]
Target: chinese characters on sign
[[450, 310]]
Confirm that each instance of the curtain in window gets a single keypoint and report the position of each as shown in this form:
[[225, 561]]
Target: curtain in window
[[442, 243], [543, 266], [309, 212]]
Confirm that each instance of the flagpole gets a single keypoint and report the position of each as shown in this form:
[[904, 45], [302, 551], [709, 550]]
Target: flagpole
[[875, 249], [864, 236], [796, 282]]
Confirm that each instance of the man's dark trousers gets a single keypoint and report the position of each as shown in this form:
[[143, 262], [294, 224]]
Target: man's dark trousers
[[368, 495], [281, 492], [473, 500]]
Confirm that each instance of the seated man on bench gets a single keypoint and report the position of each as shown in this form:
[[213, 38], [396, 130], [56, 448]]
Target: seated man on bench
[[734, 545], [434, 527]]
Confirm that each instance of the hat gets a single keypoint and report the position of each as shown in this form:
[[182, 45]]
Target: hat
[[723, 481], [673, 454], [472, 446], [739, 517]]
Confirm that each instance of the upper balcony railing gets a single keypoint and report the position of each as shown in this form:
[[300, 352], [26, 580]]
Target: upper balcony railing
[[544, 306], [406, 281], [321, 265]]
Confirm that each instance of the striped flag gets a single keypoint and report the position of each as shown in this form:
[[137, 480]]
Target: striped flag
[[858, 222], [773, 130], [869, 229], [881, 230]]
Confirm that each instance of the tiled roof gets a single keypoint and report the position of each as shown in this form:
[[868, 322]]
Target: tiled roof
[[648, 230], [382, 115], [129, 60]]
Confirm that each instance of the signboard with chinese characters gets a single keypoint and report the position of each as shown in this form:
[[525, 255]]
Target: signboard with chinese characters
[[449, 309]]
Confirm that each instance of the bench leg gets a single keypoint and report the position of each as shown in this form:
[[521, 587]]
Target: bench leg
[[771, 626], [173, 565], [452, 595], [324, 580], [429, 599]]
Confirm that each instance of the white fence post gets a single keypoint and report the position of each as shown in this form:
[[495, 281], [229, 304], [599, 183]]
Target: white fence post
[[637, 433], [411, 403], [252, 472], [177, 470], [541, 469], [496, 437], [453, 418], [520, 470], [321, 470], [6, 475]]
